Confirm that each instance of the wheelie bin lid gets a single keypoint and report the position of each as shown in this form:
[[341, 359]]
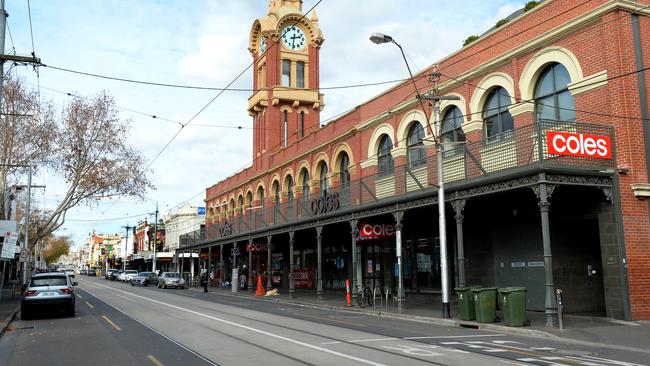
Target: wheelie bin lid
[[507, 290], [466, 288], [481, 289]]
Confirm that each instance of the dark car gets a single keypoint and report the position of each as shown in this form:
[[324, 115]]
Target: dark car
[[107, 274], [83, 272], [113, 276], [48, 291], [92, 272], [144, 279]]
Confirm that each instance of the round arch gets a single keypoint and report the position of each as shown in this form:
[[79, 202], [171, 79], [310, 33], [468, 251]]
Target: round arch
[[536, 65], [484, 89], [336, 158], [408, 120], [373, 144]]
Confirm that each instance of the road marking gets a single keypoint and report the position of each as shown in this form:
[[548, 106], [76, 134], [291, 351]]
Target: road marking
[[111, 323], [415, 338], [331, 320], [89, 305], [79, 296], [252, 329], [154, 360]]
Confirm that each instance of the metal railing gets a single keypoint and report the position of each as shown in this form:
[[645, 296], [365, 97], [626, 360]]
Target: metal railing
[[517, 149]]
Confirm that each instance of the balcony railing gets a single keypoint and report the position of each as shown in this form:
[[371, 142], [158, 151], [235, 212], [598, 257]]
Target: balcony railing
[[517, 149]]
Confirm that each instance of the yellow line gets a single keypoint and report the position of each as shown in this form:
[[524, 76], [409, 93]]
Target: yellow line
[[155, 360], [87, 303], [111, 323]]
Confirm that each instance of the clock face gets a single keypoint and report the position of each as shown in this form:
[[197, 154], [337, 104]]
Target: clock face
[[262, 44], [293, 37]]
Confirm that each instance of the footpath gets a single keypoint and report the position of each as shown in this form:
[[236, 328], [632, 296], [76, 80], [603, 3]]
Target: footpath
[[631, 336]]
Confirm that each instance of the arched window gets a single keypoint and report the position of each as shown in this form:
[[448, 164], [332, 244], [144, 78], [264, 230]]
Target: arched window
[[305, 183], [385, 159], [553, 101], [231, 207], [452, 132], [276, 192], [289, 189], [260, 196], [302, 124], [240, 203], [323, 177], [497, 121], [415, 145], [249, 199], [344, 170]]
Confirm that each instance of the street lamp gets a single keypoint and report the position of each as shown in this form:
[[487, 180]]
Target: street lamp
[[379, 38]]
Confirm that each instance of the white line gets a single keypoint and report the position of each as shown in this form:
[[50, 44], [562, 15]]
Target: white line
[[290, 340], [459, 336]]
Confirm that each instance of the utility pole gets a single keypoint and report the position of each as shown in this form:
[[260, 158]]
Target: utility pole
[[126, 245], [155, 239]]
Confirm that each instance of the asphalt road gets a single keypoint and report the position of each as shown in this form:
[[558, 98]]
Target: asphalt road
[[122, 325]]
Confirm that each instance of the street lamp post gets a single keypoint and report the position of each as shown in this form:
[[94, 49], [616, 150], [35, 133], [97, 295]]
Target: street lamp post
[[379, 38]]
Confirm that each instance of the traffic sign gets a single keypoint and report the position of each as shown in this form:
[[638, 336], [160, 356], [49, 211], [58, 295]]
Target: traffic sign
[[24, 253]]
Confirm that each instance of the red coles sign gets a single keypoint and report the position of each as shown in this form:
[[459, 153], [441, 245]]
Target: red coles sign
[[578, 144], [369, 231]]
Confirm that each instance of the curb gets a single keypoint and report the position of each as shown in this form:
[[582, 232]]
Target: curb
[[5, 323]]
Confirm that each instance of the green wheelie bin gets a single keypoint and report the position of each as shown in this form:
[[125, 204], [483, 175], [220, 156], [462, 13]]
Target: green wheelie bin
[[513, 304], [466, 302], [485, 304]]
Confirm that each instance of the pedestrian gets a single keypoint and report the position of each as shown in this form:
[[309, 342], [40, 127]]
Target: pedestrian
[[205, 282]]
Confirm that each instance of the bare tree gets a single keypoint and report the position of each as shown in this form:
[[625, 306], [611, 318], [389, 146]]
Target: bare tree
[[87, 147]]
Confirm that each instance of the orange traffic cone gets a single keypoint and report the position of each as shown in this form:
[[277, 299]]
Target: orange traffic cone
[[260, 289]]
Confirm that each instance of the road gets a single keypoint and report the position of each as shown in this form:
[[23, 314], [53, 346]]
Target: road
[[118, 324]]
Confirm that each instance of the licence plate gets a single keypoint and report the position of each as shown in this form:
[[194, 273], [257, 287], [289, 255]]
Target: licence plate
[[48, 294]]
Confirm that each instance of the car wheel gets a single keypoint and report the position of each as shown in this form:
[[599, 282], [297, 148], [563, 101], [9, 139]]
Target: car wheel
[[71, 311], [24, 314], [182, 287], [132, 284]]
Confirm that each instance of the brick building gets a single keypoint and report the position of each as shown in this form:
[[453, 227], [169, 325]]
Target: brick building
[[544, 155]]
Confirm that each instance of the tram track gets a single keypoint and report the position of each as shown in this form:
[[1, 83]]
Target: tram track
[[512, 355]]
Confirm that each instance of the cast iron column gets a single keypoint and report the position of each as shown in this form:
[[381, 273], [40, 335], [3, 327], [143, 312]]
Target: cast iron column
[[459, 206], [319, 272], [355, 262], [268, 261], [250, 265], [398, 252], [543, 193], [221, 266], [291, 279]]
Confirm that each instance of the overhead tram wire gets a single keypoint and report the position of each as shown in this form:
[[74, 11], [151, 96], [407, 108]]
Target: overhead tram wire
[[274, 44]]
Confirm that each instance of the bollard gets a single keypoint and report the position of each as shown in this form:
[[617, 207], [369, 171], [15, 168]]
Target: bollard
[[347, 292], [560, 307]]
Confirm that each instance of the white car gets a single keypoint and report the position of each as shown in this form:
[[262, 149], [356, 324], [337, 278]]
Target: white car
[[127, 275]]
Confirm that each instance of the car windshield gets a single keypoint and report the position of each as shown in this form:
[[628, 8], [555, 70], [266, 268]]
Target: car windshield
[[49, 281], [131, 271], [171, 275], [144, 274]]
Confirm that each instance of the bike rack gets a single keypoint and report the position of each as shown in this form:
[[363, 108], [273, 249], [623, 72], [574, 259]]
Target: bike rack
[[374, 296], [389, 292]]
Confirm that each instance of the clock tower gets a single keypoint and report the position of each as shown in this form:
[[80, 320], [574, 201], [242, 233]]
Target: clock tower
[[286, 100]]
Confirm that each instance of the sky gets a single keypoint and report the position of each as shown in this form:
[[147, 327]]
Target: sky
[[204, 43]]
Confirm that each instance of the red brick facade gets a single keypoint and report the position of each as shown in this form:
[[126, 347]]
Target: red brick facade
[[595, 35]]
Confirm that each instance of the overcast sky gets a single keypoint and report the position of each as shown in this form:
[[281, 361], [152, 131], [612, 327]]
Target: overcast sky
[[204, 43]]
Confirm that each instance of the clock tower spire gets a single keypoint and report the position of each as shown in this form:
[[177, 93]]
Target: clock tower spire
[[286, 101]]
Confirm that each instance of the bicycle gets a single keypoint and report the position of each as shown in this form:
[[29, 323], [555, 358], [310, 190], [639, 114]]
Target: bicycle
[[364, 296]]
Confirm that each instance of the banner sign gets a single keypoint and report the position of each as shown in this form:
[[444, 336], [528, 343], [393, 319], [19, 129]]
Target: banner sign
[[9, 245], [303, 278], [368, 231], [256, 247], [578, 144]]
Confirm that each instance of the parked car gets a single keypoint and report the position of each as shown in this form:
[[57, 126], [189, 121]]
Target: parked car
[[83, 272], [115, 274], [107, 274], [145, 279], [92, 272], [47, 291], [127, 275], [170, 279], [70, 272]]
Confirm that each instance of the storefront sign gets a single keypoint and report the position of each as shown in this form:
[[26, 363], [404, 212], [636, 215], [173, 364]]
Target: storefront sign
[[368, 231], [303, 278], [578, 144], [256, 247], [325, 203]]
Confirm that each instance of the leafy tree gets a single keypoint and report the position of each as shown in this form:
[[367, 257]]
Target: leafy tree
[[86, 147], [530, 5], [470, 39], [501, 22]]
